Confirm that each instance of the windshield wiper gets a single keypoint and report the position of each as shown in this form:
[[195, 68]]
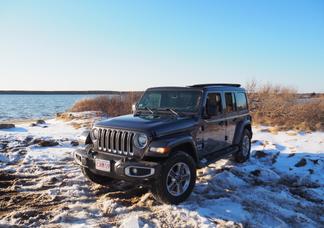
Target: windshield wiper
[[148, 109], [172, 111]]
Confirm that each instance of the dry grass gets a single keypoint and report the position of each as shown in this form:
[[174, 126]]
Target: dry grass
[[283, 108], [76, 125], [112, 106], [280, 107]]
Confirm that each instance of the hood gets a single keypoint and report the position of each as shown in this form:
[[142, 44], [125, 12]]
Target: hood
[[152, 125]]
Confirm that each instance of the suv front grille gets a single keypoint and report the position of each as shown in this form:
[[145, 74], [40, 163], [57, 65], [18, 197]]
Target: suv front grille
[[116, 141]]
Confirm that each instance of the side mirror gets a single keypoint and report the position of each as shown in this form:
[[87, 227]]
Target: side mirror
[[134, 108]]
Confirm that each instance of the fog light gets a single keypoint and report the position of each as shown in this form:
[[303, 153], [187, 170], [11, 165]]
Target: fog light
[[136, 171]]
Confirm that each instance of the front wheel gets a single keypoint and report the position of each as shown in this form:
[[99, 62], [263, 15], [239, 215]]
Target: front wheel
[[178, 178], [243, 153]]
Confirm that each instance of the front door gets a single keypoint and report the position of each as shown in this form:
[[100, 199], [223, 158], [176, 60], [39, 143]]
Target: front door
[[236, 112], [214, 124]]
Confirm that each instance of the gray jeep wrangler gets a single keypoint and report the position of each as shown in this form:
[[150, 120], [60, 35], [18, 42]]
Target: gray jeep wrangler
[[172, 132]]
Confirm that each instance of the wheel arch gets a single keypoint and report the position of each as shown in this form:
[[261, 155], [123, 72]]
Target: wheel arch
[[187, 147], [184, 142], [245, 124]]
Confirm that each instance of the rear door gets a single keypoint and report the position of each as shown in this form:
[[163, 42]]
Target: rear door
[[214, 126], [231, 117]]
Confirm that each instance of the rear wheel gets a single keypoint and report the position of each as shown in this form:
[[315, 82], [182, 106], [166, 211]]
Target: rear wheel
[[98, 179], [178, 178], [243, 153]]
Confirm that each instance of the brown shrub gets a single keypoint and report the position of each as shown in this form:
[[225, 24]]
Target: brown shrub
[[283, 107], [277, 106], [112, 105]]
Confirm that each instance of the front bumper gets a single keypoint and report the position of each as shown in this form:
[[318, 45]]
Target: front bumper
[[120, 167]]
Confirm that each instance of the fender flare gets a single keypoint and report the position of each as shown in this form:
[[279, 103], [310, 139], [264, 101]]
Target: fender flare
[[176, 142], [239, 130]]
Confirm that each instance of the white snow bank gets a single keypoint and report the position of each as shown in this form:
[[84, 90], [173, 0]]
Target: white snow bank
[[224, 208], [282, 185]]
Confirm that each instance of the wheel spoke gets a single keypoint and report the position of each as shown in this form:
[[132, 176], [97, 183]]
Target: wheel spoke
[[173, 186], [185, 176], [179, 168], [179, 188], [172, 174], [182, 169]]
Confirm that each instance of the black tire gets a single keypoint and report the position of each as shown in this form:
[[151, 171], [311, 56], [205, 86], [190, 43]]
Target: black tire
[[160, 187], [243, 153], [95, 178]]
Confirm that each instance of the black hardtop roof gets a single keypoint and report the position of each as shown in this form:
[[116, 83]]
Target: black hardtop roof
[[219, 87], [215, 84], [174, 88], [211, 87]]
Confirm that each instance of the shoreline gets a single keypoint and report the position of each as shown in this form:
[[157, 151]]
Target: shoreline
[[36, 92], [75, 119], [25, 121]]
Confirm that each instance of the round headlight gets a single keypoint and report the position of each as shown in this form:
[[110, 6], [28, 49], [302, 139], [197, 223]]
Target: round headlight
[[140, 140], [95, 133]]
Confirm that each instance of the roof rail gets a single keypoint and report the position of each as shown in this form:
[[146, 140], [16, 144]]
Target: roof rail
[[216, 84]]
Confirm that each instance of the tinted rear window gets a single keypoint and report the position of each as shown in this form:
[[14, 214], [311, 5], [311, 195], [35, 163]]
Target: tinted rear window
[[241, 102], [229, 102]]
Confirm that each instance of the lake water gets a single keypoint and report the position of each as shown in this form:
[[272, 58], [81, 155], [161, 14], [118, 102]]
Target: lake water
[[35, 106]]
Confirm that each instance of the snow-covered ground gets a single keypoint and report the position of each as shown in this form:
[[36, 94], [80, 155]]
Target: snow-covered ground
[[282, 185]]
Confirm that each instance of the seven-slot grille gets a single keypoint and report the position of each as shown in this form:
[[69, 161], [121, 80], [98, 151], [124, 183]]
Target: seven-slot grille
[[116, 141]]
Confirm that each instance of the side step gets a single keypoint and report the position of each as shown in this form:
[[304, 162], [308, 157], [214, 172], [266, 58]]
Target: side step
[[211, 158]]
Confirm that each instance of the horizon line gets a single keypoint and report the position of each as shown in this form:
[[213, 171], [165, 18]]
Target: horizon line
[[63, 91], [89, 92]]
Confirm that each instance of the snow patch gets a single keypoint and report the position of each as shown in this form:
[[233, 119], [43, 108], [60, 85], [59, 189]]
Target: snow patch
[[269, 190]]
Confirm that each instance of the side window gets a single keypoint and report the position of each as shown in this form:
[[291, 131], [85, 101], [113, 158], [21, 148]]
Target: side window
[[214, 104], [241, 103], [230, 107]]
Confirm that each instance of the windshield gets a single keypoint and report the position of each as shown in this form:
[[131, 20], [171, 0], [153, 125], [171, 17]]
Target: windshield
[[178, 100]]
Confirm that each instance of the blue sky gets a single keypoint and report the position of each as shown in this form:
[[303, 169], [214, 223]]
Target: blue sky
[[132, 45]]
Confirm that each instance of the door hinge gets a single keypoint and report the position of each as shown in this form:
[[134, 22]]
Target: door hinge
[[200, 146]]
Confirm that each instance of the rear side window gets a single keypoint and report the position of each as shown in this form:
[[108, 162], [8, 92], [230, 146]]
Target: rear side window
[[230, 107], [241, 102]]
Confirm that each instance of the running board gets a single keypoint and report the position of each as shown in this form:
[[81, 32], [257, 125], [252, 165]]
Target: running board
[[211, 158]]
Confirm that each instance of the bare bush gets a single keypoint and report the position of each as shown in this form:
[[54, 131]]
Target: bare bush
[[274, 105], [111, 105], [282, 107]]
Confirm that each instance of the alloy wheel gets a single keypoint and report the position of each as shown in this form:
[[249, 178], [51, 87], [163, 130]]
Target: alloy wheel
[[178, 179]]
